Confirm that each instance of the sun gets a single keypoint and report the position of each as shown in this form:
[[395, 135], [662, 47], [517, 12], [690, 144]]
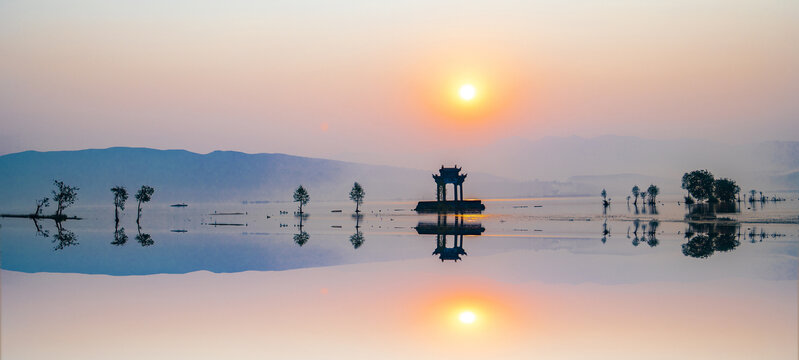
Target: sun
[[467, 317], [467, 92]]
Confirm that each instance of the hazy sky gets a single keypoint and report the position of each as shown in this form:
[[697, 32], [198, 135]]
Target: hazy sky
[[335, 78]]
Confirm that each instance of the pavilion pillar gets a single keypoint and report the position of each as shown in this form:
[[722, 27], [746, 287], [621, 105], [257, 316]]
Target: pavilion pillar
[[461, 191]]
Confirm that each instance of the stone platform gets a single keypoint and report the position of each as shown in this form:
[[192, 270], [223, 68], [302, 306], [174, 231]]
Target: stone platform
[[464, 206]]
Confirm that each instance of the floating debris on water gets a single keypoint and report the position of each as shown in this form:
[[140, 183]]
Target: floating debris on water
[[223, 224]]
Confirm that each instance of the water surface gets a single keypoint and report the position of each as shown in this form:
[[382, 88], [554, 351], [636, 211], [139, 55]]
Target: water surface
[[551, 277]]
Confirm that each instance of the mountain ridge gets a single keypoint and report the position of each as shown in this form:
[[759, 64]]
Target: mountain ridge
[[227, 175], [182, 175]]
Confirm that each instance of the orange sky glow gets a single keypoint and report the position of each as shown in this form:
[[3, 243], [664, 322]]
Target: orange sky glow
[[403, 309], [306, 77]]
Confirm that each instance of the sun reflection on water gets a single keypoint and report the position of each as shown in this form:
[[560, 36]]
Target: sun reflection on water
[[472, 318]]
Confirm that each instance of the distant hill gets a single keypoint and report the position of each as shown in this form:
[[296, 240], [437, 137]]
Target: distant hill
[[760, 165], [583, 167], [757, 165], [789, 180], [183, 176], [180, 175], [619, 186]]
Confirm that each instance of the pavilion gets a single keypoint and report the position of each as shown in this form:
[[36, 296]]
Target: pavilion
[[446, 176]]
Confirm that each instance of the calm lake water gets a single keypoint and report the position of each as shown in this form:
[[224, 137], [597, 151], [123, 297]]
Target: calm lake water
[[549, 277]]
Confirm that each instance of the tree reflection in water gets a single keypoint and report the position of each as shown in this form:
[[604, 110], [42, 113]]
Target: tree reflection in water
[[39, 230], [301, 237], [143, 238], [708, 238], [357, 239], [648, 232], [705, 211], [700, 246], [651, 235], [120, 238], [758, 236], [64, 238]]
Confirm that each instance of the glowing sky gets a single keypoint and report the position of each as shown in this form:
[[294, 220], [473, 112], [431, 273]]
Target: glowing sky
[[332, 79]]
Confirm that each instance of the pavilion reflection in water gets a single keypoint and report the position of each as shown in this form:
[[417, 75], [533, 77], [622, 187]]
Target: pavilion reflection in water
[[449, 225]]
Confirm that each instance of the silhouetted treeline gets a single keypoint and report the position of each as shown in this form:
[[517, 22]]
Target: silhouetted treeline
[[703, 186]]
